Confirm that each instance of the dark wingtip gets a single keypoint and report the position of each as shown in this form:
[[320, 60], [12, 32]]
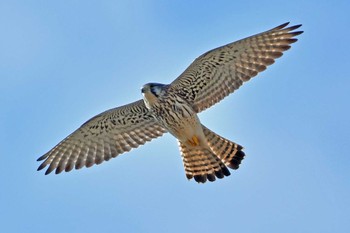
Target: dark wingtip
[[41, 166], [42, 157], [297, 33], [291, 28], [48, 171], [282, 25], [292, 32], [59, 169]]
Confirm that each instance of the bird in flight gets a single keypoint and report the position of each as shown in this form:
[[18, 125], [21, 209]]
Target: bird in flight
[[173, 108]]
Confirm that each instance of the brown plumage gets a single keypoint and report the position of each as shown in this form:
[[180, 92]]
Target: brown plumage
[[173, 108], [202, 163]]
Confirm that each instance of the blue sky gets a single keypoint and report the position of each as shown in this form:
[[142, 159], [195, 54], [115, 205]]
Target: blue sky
[[62, 62]]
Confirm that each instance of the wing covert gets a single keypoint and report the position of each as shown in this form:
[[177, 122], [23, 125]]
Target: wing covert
[[219, 72], [103, 137]]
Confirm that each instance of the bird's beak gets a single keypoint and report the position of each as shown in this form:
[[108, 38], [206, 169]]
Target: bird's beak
[[142, 90]]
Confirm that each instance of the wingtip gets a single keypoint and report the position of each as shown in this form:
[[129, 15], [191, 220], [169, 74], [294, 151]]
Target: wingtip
[[291, 28], [281, 26], [42, 157], [48, 171], [297, 33], [285, 24], [42, 166]]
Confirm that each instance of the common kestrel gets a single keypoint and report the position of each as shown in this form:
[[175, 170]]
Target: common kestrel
[[173, 108]]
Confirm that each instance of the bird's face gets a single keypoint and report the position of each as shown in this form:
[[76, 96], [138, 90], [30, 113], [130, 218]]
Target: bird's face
[[151, 92]]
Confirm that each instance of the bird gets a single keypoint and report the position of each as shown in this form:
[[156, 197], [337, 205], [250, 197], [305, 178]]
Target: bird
[[174, 108]]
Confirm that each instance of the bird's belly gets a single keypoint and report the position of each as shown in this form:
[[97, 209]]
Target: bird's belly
[[186, 128], [180, 120]]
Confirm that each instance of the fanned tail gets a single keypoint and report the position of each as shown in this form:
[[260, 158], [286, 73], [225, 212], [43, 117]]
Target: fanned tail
[[202, 164], [208, 162], [229, 152]]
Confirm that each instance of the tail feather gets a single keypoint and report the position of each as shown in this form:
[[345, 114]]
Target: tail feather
[[229, 152], [210, 161], [201, 164]]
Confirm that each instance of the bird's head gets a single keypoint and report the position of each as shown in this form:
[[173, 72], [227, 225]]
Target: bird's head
[[151, 92]]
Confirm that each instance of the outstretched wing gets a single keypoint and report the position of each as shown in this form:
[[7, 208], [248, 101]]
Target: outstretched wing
[[221, 71], [103, 137]]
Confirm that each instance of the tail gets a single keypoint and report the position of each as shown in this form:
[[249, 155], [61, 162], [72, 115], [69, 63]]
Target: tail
[[204, 164], [201, 164], [229, 152]]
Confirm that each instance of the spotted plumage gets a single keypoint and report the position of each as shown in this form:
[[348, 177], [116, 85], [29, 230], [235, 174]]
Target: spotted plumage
[[173, 108]]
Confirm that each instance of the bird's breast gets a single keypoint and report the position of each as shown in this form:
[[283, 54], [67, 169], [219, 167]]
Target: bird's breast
[[178, 117]]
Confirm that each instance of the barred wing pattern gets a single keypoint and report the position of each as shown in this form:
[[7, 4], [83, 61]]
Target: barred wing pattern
[[103, 137], [221, 71]]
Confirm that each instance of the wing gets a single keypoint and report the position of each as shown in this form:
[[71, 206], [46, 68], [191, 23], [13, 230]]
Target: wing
[[103, 137], [219, 72]]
